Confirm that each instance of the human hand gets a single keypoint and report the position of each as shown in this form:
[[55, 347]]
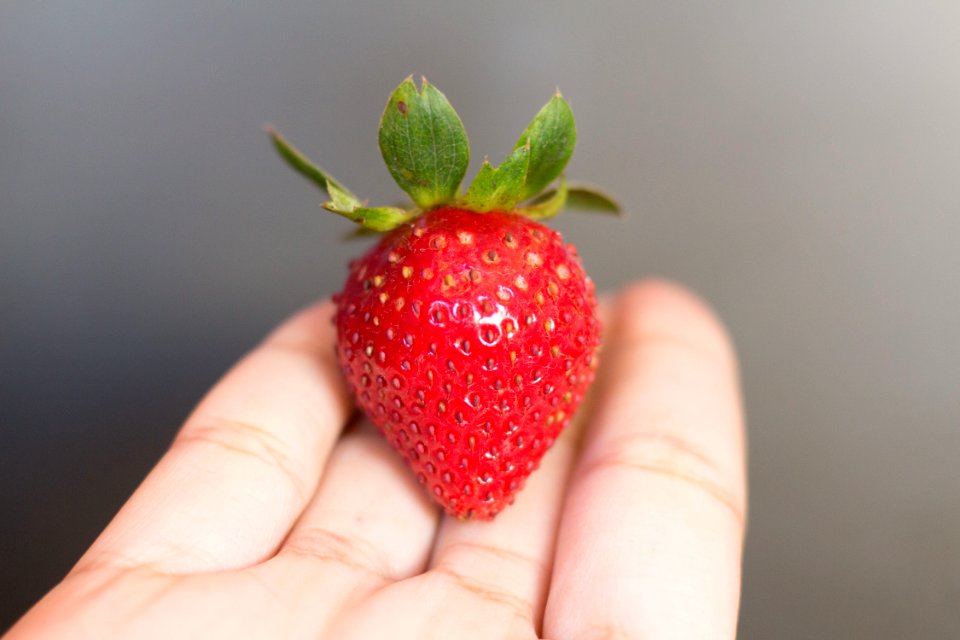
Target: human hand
[[266, 519]]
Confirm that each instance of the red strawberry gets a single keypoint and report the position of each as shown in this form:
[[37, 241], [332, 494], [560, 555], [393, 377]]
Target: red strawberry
[[469, 339], [468, 333]]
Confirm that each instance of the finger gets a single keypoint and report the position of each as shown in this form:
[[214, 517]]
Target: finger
[[369, 523], [504, 565], [651, 532], [507, 562], [245, 463]]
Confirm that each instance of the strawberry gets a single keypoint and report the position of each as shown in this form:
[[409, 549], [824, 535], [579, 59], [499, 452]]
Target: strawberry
[[468, 333], [469, 340]]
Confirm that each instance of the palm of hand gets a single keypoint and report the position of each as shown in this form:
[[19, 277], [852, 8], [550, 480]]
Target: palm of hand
[[264, 520]]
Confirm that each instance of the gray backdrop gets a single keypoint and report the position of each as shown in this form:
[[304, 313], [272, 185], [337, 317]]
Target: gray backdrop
[[797, 163]]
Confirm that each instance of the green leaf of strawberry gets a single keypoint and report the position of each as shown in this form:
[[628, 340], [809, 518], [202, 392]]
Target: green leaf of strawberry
[[424, 144], [541, 153], [375, 218], [548, 204], [500, 187], [341, 199], [552, 136], [426, 150], [586, 197], [581, 197]]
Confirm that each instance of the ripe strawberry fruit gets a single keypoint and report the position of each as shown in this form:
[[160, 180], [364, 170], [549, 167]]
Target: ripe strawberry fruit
[[468, 333], [469, 340]]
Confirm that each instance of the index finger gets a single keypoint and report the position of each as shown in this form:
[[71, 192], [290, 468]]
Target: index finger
[[245, 463], [650, 539]]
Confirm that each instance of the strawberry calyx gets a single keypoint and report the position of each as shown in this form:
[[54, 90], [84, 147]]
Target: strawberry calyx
[[425, 147]]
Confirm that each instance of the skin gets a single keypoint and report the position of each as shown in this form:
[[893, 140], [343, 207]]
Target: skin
[[268, 519]]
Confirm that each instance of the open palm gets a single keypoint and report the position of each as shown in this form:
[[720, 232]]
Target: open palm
[[268, 519]]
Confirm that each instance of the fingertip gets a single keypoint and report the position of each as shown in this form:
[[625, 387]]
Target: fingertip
[[311, 326], [662, 306]]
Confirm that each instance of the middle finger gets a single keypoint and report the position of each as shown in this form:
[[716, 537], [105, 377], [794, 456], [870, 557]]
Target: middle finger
[[507, 562], [368, 524]]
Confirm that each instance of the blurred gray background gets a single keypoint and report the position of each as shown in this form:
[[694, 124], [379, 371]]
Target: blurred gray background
[[796, 163]]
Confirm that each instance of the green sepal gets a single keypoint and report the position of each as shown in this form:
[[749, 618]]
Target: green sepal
[[426, 150], [424, 144], [551, 136], [374, 218], [548, 204], [540, 155], [499, 187], [342, 201], [581, 197], [341, 197], [587, 197]]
